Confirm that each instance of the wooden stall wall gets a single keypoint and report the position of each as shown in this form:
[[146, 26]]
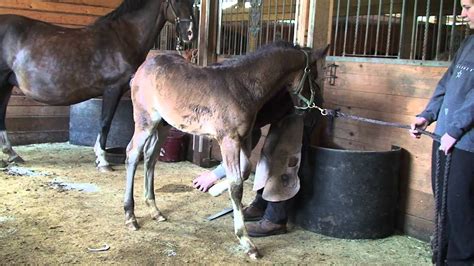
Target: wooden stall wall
[[29, 121], [396, 93]]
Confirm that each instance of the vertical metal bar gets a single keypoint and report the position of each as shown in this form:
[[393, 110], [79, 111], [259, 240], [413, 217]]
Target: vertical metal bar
[[356, 33], [235, 29], [283, 21], [378, 28], [337, 26], [275, 21], [268, 21], [440, 28], [414, 32], [242, 35], [367, 26], [292, 18], [402, 29], [389, 33], [427, 24], [219, 29], [346, 27], [451, 41], [261, 27]]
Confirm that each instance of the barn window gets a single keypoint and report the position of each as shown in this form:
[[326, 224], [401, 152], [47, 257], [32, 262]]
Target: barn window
[[392, 29], [400, 29]]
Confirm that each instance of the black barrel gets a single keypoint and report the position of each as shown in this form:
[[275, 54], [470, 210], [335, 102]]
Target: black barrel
[[348, 194], [84, 123]]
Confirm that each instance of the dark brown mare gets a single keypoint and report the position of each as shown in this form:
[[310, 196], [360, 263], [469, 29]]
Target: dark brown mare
[[219, 101], [63, 66]]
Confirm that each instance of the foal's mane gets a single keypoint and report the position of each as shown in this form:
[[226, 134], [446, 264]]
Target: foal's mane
[[261, 52], [125, 7]]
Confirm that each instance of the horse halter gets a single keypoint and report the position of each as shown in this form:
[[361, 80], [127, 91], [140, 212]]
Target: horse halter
[[177, 20], [308, 103]]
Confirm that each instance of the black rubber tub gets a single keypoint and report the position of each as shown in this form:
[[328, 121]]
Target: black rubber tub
[[84, 123], [348, 194]]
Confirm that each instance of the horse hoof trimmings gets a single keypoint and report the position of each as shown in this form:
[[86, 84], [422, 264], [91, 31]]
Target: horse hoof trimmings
[[220, 101]]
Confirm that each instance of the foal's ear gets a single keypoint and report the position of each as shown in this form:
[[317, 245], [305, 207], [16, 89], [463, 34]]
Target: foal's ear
[[319, 53]]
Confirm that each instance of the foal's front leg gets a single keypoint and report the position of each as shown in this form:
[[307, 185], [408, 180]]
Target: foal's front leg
[[231, 151]]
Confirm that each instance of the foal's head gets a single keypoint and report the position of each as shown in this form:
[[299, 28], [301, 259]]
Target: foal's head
[[180, 12], [304, 83]]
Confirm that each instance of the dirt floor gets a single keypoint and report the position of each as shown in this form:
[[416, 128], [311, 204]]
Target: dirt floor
[[42, 221]]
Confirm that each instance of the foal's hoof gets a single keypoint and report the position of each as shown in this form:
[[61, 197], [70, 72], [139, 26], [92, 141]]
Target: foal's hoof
[[15, 159], [132, 225], [105, 169], [158, 218], [254, 254]]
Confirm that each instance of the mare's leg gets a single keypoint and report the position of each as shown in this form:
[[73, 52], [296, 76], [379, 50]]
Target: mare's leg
[[151, 153], [134, 149], [7, 80], [110, 101], [236, 162]]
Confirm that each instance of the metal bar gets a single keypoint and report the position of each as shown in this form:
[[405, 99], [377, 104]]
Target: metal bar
[[337, 26], [378, 28], [440, 22], [219, 28], [402, 29], [268, 22], [356, 32], [346, 27], [275, 21], [291, 21], [389, 33], [367, 27], [414, 32], [283, 21], [235, 30], [242, 36], [427, 24], [451, 41]]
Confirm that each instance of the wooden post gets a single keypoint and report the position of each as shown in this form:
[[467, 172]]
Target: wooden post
[[410, 13], [255, 25], [320, 27], [302, 17], [207, 46]]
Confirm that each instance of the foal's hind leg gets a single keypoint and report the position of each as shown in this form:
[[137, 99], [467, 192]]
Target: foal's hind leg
[[237, 164], [134, 150], [151, 153], [110, 101], [5, 92]]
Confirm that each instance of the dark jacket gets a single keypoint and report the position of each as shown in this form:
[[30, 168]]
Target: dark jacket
[[452, 104]]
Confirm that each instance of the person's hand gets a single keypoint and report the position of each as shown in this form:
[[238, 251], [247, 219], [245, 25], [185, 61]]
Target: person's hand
[[419, 123], [204, 181], [447, 143]]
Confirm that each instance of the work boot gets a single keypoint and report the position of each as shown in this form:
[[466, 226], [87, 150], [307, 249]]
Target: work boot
[[252, 213], [265, 228]]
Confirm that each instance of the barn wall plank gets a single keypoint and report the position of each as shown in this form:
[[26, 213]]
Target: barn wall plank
[[29, 121], [394, 93]]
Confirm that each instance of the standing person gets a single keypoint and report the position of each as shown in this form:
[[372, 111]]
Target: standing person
[[452, 106]]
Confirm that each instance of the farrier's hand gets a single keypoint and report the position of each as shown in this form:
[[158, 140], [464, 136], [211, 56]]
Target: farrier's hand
[[447, 143], [419, 123], [205, 181]]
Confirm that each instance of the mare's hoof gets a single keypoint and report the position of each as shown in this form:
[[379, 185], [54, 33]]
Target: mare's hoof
[[253, 254], [15, 159], [132, 225], [105, 169]]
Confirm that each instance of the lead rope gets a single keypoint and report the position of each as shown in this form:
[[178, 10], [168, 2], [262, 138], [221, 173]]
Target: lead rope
[[440, 218]]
